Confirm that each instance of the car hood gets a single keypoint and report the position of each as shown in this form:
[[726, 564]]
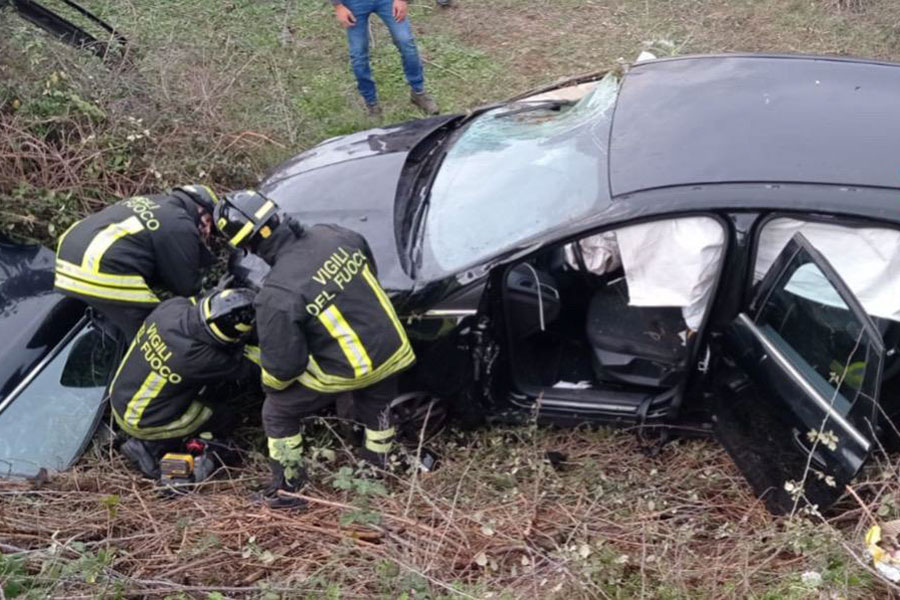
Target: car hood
[[352, 181]]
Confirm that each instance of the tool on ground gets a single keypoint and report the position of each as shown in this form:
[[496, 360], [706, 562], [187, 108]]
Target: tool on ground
[[180, 470]]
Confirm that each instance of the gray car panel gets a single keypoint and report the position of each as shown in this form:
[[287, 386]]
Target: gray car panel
[[721, 119]]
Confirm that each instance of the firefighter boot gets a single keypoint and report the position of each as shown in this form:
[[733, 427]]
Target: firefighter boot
[[288, 474], [377, 447], [289, 482], [143, 455]]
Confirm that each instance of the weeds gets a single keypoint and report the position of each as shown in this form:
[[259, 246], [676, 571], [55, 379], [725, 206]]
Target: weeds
[[217, 93], [605, 522]]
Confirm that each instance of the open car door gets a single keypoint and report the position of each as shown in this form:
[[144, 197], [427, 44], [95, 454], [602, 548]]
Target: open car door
[[798, 414], [106, 42]]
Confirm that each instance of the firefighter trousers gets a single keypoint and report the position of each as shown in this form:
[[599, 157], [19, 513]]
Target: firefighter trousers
[[283, 411]]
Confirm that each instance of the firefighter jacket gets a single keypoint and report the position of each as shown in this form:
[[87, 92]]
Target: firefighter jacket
[[322, 317], [117, 254], [155, 391]]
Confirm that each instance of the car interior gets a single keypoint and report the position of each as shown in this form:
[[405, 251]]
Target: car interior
[[582, 344], [577, 342]]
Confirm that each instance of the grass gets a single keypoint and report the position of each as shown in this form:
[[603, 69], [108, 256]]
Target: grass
[[227, 89], [222, 90], [496, 521]]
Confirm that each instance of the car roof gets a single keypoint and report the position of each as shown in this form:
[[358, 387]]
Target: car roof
[[756, 118]]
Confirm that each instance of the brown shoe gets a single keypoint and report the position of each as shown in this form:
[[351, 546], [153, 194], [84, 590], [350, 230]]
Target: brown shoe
[[373, 111], [425, 103]]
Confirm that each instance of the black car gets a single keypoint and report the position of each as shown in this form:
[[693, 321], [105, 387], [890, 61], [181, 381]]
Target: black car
[[708, 243]]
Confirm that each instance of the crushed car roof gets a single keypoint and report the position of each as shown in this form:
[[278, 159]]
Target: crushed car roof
[[756, 118]]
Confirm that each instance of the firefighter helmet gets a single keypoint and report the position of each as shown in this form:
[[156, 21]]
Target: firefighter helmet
[[245, 216], [228, 314], [202, 195]]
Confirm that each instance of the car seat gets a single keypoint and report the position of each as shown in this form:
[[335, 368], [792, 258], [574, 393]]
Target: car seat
[[636, 345]]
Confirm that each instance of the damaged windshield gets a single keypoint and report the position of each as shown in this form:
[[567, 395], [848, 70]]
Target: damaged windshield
[[512, 174]]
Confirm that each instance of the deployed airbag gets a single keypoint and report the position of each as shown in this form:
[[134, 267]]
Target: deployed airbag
[[866, 258], [671, 262]]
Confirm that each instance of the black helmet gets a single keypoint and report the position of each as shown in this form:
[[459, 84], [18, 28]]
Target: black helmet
[[202, 195], [244, 215], [228, 315]]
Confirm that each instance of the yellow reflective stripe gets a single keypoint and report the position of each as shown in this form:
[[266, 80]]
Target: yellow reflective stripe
[[193, 300], [193, 418], [385, 302], [218, 333], [400, 356], [347, 339], [112, 385], [285, 448], [252, 354], [106, 238], [123, 281], [259, 214], [150, 389], [316, 379], [240, 235], [273, 382], [379, 436], [379, 447], [193, 188], [63, 236], [215, 329], [243, 327], [107, 293]]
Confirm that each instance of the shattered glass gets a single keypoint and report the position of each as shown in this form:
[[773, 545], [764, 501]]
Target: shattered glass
[[517, 171]]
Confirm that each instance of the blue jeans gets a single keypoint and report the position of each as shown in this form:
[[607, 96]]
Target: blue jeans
[[358, 40]]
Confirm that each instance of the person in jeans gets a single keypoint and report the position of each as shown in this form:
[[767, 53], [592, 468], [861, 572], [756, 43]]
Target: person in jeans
[[354, 16]]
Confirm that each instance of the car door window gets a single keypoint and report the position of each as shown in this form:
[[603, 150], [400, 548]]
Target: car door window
[[49, 422], [812, 323]]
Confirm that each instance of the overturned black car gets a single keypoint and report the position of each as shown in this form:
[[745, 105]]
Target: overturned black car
[[708, 243]]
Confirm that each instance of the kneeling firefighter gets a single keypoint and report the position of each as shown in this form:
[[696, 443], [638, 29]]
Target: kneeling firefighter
[[111, 259], [159, 394], [325, 327]]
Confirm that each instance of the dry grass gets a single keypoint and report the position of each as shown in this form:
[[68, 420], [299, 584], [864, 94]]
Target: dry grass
[[258, 81], [496, 520]]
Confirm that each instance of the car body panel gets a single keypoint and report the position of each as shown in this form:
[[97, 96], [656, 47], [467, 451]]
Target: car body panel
[[797, 119], [352, 181], [33, 318]]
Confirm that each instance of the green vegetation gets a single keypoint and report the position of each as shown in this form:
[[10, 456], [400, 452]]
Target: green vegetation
[[497, 520], [221, 91], [218, 92]]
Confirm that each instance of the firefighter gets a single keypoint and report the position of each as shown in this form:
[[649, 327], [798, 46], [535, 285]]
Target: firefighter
[[111, 259], [325, 327], [158, 394]]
